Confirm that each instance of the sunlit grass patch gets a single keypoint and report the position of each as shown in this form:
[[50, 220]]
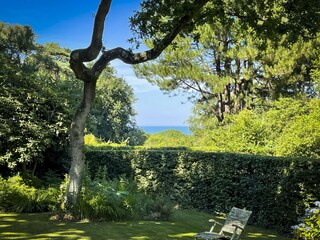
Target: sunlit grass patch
[[182, 235], [259, 235]]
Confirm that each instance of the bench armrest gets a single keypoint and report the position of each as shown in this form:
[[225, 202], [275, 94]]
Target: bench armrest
[[216, 222], [237, 226]]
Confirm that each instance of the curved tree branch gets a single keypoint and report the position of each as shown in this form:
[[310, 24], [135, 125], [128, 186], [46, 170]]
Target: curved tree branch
[[79, 56], [134, 58]]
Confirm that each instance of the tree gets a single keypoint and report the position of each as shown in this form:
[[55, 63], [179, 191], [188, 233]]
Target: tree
[[33, 117], [180, 16], [224, 69], [215, 64]]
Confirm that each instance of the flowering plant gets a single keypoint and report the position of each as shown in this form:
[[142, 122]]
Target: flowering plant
[[309, 226]]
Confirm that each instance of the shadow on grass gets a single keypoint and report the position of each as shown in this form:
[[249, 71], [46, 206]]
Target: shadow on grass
[[184, 225]]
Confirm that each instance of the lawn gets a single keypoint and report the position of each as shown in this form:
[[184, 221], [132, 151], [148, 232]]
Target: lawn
[[183, 225]]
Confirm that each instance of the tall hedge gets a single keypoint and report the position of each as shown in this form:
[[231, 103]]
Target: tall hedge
[[277, 190]]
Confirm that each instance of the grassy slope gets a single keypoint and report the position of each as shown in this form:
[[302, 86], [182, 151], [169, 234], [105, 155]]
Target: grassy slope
[[182, 226]]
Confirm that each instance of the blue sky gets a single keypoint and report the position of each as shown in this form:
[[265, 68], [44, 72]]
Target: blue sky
[[69, 23]]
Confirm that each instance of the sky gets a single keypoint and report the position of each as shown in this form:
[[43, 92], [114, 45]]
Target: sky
[[70, 23]]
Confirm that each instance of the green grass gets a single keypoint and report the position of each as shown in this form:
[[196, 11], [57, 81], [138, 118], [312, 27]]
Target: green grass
[[183, 225]]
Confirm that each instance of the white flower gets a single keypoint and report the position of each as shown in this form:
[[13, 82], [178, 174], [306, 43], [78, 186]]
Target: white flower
[[317, 203], [295, 227]]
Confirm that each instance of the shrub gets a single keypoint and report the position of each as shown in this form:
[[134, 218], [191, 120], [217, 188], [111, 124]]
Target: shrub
[[16, 196], [103, 200], [309, 226], [118, 199], [172, 138], [157, 208]]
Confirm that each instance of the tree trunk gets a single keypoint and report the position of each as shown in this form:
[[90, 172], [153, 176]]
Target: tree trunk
[[237, 88], [227, 99], [220, 108], [77, 146]]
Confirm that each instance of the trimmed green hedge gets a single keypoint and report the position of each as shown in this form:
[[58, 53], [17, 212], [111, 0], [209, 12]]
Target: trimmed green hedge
[[277, 190]]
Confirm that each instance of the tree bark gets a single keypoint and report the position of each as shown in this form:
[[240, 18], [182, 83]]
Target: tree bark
[[238, 86], [77, 145], [220, 108], [227, 99]]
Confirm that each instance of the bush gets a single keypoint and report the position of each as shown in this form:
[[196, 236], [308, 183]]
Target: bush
[[172, 138], [309, 226], [16, 196], [103, 200], [157, 208], [120, 199]]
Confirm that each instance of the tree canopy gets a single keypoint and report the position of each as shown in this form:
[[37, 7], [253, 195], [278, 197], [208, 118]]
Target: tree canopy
[[224, 70], [33, 117]]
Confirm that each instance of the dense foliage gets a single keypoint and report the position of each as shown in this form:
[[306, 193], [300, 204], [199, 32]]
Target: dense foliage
[[17, 195], [33, 117], [168, 138], [289, 128], [119, 199], [224, 69], [277, 190], [269, 19], [309, 226], [101, 199], [39, 94]]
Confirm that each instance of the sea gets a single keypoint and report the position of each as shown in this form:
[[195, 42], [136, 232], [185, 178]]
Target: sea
[[156, 129]]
